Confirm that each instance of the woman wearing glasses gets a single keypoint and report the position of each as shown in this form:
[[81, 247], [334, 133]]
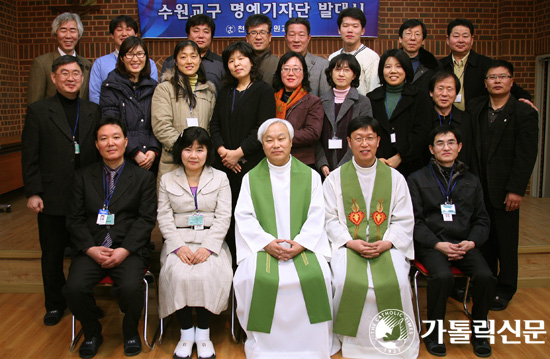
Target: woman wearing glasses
[[341, 104], [403, 112], [295, 104], [127, 94], [183, 99]]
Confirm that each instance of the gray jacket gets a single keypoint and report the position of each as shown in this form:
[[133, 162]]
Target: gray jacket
[[316, 66]]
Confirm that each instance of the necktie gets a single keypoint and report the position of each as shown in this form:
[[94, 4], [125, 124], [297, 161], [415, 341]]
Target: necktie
[[108, 242]]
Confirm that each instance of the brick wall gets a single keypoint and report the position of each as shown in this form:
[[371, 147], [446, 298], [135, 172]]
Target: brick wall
[[512, 30]]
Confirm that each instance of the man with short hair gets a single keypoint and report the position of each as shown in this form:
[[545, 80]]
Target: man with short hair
[[113, 211], [412, 34], [369, 221], [444, 86], [506, 140], [67, 30], [351, 26], [120, 28], [297, 37], [57, 139], [451, 225], [282, 283], [201, 28], [469, 66], [258, 35]]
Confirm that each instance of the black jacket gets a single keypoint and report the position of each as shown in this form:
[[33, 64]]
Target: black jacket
[[511, 153], [461, 121], [134, 204], [427, 68], [239, 128], [119, 98], [474, 76], [471, 221], [48, 157], [410, 121]]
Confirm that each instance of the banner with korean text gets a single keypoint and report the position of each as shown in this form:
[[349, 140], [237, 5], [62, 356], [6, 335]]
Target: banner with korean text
[[167, 18]]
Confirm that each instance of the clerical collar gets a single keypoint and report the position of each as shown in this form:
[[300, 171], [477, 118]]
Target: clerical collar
[[280, 168], [63, 54], [364, 170]]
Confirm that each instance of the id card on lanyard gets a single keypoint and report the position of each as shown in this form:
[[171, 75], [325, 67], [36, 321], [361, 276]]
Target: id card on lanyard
[[104, 216]]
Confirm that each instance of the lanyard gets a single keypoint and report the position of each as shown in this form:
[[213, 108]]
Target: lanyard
[[77, 117], [450, 118], [445, 192], [108, 195], [234, 89]]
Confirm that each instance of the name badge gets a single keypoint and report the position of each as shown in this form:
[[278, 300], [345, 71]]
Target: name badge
[[104, 218], [448, 210], [335, 143], [196, 221], [458, 98], [393, 138], [76, 148], [192, 122]]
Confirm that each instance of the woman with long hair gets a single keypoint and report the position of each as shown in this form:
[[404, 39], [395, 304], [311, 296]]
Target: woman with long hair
[[183, 99]]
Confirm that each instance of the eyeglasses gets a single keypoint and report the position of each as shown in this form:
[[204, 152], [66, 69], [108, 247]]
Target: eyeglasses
[[130, 55], [442, 144], [360, 140], [255, 33], [66, 74], [345, 70], [500, 77], [295, 70]]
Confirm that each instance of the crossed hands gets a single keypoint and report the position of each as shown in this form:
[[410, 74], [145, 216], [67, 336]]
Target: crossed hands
[[108, 257], [230, 158], [145, 160], [369, 250], [455, 251], [188, 257], [283, 253]]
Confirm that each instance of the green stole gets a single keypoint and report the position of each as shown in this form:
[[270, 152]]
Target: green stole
[[384, 278], [266, 281]]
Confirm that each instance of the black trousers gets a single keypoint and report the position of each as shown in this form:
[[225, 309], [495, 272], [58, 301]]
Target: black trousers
[[85, 273], [441, 280], [53, 237], [501, 250]]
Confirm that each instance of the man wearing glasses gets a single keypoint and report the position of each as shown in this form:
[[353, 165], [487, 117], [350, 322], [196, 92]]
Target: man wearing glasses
[[506, 139], [258, 35], [451, 225], [57, 139]]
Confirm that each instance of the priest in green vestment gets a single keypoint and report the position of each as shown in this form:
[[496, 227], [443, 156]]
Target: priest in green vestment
[[282, 283], [369, 222]]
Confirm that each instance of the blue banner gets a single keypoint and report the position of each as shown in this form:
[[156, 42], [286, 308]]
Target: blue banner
[[167, 18]]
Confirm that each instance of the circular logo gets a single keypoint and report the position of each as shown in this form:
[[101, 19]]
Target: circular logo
[[391, 332], [230, 29]]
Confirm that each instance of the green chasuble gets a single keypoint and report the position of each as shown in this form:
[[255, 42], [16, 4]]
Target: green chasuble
[[266, 281], [384, 278]]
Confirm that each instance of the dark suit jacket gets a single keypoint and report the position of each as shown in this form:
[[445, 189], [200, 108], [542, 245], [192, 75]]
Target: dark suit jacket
[[512, 151], [427, 68], [239, 128], [134, 204], [474, 76], [48, 151], [410, 121], [40, 82], [461, 121]]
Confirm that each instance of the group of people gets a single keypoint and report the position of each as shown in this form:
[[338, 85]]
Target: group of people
[[278, 167]]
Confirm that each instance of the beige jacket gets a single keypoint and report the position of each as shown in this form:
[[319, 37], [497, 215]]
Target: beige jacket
[[169, 117]]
